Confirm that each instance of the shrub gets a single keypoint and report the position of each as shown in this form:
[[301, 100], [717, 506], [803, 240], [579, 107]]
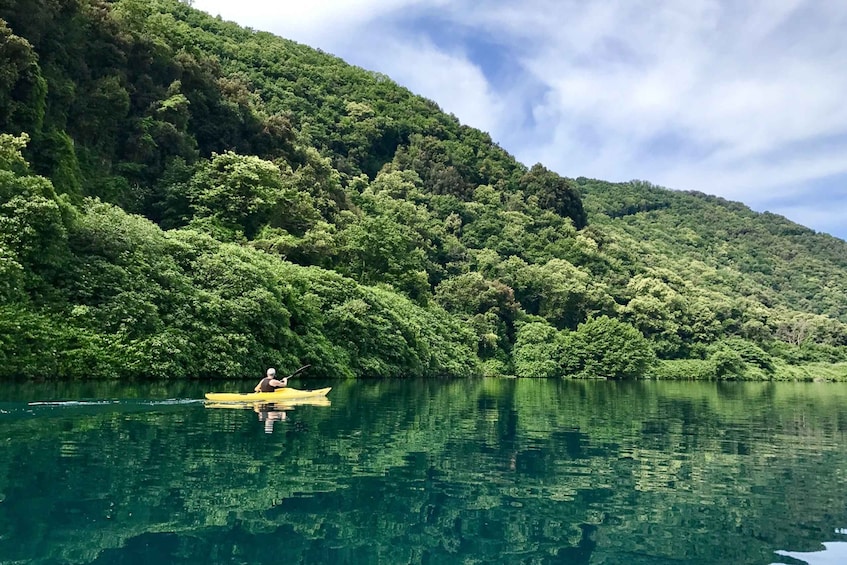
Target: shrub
[[683, 369], [538, 351]]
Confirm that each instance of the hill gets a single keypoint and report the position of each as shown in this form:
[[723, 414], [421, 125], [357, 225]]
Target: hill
[[182, 197]]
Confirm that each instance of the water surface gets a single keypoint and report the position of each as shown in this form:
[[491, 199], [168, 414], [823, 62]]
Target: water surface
[[475, 471]]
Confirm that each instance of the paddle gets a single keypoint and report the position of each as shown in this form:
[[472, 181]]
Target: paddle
[[297, 372]]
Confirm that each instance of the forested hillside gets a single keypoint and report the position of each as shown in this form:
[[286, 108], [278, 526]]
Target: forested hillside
[[182, 197]]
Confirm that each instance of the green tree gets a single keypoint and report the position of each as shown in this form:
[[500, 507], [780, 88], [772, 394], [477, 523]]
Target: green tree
[[489, 306], [606, 347], [23, 89], [539, 351], [554, 193], [239, 191], [558, 291], [33, 221]]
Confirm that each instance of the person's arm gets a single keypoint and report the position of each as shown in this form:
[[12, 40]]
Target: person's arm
[[258, 387], [279, 383]]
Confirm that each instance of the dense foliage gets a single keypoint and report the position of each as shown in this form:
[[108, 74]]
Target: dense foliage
[[180, 196]]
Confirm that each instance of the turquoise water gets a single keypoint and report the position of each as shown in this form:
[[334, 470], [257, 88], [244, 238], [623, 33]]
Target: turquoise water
[[477, 471]]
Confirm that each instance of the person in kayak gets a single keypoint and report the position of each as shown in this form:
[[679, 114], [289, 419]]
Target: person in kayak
[[270, 382]]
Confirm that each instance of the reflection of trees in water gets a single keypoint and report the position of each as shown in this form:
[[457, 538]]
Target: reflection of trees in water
[[533, 471]]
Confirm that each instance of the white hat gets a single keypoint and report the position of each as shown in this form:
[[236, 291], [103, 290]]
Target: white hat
[[271, 372]]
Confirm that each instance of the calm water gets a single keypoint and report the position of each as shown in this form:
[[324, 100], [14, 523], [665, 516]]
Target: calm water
[[478, 471]]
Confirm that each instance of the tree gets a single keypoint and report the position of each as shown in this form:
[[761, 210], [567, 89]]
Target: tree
[[33, 232], [554, 193], [489, 306], [539, 351], [11, 157], [239, 191], [379, 249], [563, 294], [23, 90], [606, 347]]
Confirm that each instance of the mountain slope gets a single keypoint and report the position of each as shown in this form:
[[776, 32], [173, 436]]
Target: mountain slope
[[783, 263], [301, 210]]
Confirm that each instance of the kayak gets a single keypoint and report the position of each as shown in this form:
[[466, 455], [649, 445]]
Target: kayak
[[279, 395], [259, 405]]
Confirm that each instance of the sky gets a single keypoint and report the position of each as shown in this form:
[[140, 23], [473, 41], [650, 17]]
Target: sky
[[745, 100]]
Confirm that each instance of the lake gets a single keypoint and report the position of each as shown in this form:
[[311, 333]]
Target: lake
[[426, 471]]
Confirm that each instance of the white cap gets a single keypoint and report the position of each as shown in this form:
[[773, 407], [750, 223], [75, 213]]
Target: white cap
[[271, 372]]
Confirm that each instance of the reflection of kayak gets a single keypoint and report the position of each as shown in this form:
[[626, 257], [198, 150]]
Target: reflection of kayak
[[267, 405], [279, 395]]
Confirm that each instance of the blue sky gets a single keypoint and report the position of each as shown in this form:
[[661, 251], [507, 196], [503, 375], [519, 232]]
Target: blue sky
[[745, 100]]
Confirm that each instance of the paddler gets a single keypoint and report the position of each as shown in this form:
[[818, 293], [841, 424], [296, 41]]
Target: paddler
[[270, 382]]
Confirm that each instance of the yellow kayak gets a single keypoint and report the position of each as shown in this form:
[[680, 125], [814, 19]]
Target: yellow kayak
[[285, 404], [279, 395]]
